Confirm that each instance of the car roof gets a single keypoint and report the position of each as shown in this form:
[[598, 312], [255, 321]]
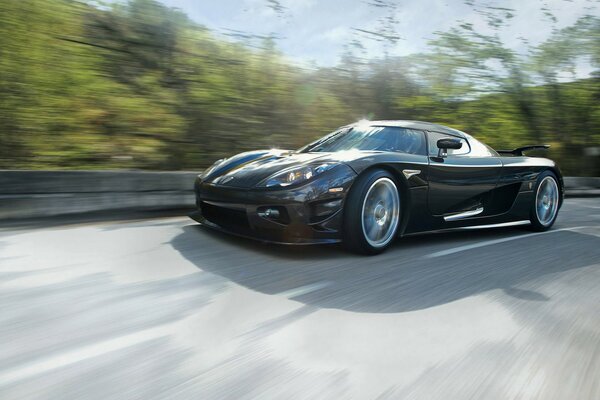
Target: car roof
[[426, 126]]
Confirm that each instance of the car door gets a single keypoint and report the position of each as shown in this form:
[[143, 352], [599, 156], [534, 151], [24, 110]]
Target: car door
[[461, 183]]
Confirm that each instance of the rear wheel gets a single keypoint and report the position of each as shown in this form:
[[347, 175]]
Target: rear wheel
[[372, 213], [545, 203]]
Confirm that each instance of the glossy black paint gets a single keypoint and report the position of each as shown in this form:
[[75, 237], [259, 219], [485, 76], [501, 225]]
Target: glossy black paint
[[229, 196], [300, 203], [456, 183], [449, 144]]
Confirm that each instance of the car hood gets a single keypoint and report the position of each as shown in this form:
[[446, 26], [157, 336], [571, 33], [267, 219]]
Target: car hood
[[246, 170]]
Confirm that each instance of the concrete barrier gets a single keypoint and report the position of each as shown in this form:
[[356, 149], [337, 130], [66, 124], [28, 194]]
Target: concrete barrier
[[583, 186], [35, 194]]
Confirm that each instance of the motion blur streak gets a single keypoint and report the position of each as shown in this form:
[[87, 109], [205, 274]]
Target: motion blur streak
[[161, 308], [74, 356], [496, 241], [137, 84]]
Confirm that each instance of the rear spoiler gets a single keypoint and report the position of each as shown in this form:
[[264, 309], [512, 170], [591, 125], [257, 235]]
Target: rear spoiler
[[519, 150]]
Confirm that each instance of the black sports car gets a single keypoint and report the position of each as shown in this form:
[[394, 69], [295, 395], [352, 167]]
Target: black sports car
[[372, 181]]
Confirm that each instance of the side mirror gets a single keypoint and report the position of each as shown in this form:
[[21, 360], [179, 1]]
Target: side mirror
[[445, 144]]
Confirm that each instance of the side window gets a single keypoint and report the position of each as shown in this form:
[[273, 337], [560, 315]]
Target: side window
[[479, 149], [433, 137], [411, 141]]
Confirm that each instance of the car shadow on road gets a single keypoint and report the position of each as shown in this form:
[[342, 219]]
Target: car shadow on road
[[404, 278]]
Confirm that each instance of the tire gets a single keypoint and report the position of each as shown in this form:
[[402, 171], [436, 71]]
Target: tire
[[546, 202], [372, 213]]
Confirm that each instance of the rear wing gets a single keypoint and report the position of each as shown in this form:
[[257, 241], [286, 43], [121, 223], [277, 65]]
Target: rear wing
[[519, 150]]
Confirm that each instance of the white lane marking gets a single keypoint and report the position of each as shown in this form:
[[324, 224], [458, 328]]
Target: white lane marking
[[83, 353], [495, 241], [588, 206], [591, 230], [299, 291]]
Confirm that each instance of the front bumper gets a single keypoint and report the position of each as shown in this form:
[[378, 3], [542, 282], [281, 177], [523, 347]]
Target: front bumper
[[308, 214]]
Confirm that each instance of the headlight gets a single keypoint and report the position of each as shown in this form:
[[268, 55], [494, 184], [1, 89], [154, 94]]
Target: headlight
[[209, 170], [295, 175]]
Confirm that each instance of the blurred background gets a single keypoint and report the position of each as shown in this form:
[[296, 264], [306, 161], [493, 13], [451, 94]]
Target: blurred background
[[175, 85], [109, 291]]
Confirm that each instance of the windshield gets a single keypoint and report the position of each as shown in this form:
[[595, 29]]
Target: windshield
[[374, 138]]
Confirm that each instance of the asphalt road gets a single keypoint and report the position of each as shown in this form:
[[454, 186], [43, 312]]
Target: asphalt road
[[164, 309]]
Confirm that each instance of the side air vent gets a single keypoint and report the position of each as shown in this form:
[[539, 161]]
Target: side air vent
[[466, 214]]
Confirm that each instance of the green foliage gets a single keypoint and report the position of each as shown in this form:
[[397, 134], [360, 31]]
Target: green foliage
[[139, 85]]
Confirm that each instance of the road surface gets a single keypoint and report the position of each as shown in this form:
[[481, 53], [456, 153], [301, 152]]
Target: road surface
[[164, 309]]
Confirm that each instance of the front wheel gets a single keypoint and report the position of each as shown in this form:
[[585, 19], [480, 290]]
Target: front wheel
[[545, 203], [372, 213]]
